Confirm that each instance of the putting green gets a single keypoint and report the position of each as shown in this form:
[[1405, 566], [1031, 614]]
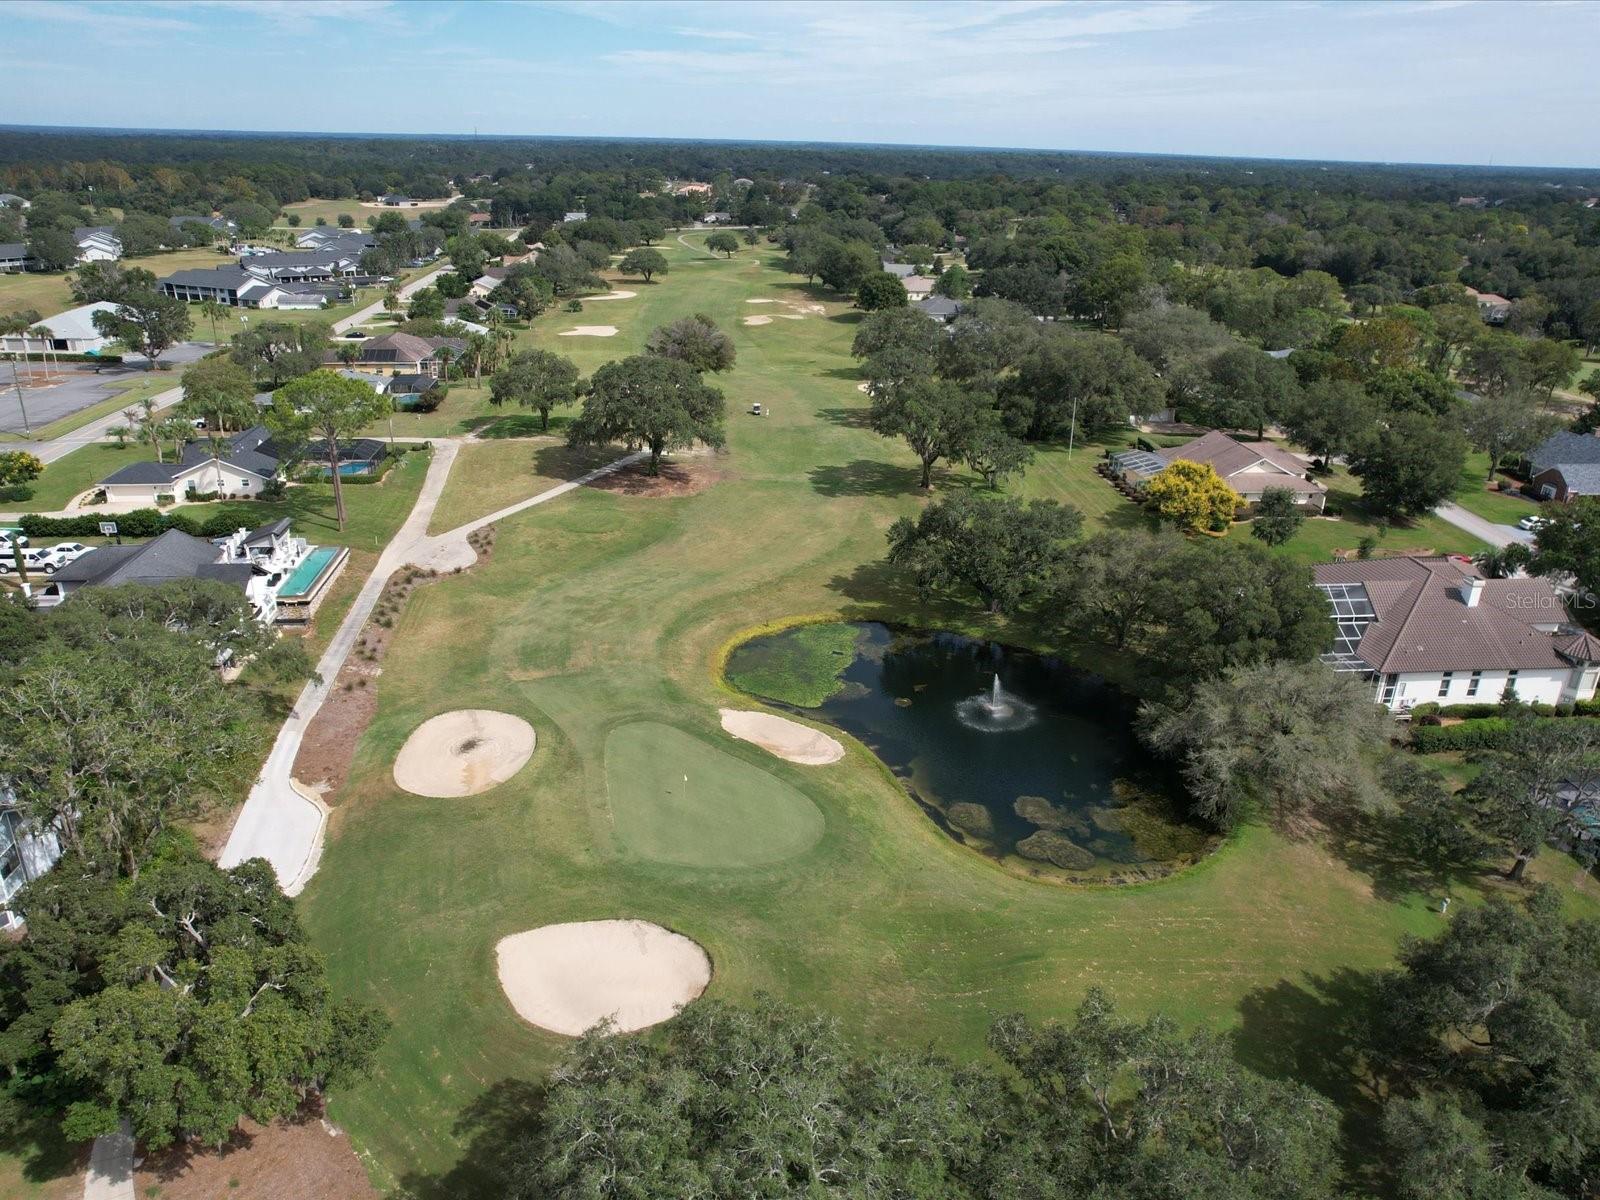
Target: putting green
[[677, 799]]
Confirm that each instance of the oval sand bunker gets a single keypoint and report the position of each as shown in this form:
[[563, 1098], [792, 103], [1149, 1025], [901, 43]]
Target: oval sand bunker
[[463, 753], [568, 978], [788, 739]]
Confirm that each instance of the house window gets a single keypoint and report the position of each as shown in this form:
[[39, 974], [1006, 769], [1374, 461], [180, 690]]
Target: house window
[[1444, 683], [1511, 683], [1389, 682], [1472, 684]]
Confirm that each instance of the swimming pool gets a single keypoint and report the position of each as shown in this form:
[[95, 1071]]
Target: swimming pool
[[303, 576], [351, 468]]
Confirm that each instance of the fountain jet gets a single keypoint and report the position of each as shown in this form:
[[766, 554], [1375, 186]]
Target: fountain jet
[[995, 712]]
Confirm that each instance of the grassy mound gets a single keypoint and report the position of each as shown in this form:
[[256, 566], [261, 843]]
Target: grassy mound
[[677, 799], [801, 666]]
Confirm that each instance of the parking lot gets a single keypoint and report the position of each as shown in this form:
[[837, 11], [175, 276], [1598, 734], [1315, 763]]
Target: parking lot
[[81, 386]]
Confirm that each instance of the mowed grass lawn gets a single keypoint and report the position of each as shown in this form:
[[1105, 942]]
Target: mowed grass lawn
[[489, 476], [49, 292], [77, 472], [600, 619]]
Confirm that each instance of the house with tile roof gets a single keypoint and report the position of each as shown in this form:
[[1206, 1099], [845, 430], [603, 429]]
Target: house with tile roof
[[1564, 466], [1436, 630], [1250, 468], [404, 353]]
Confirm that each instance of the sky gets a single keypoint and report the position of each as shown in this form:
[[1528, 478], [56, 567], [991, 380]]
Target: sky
[[1403, 80]]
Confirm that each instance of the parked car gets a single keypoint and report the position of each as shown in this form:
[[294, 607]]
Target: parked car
[[1533, 523], [41, 561], [71, 550], [10, 536]]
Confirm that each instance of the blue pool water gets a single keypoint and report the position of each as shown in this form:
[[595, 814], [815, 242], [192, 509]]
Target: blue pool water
[[303, 576], [351, 468]]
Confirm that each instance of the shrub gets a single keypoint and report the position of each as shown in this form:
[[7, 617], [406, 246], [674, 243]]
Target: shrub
[[16, 492], [1486, 733]]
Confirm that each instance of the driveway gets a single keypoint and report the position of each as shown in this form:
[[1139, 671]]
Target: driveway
[[283, 824], [1499, 536], [366, 314]]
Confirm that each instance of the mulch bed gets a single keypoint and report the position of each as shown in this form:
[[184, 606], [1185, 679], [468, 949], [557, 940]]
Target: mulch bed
[[303, 1159], [329, 744]]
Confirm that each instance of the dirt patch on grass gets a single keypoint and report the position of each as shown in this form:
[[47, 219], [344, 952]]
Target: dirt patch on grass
[[306, 1158], [589, 331], [676, 479]]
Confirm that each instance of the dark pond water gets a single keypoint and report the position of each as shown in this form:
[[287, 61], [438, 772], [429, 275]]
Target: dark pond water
[[1055, 739]]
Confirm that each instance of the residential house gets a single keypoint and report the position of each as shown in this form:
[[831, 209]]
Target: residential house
[[242, 466], [717, 218], [301, 301], [303, 266], [281, 575], [404, 353], [1564, 466], [26, 852], [12, 200], [1472, 202], [233, 286], [918, 287], [1493, 308], [479, 220], [70, 332], [692, 189], [397, 200], [1434, 629], [351, 243], [576, 215], [13, 257], [97, 243], [899, 270], [940, 308], [491, 278], [1249, 468]]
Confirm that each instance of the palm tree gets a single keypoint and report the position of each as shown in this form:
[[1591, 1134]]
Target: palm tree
[[18, 324], [349, 353], [391, 298], [478, 349], [214, 311], [446, 355]]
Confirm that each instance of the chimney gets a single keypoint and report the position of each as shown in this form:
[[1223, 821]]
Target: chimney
[[1472, 592]]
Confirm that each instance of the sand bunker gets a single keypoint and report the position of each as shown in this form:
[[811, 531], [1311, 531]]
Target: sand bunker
[[791, 316], [568, 978], [760, 301], [861, 387], [789, 740], [463, 753], [591, 331], [620, 294], [758, 320]]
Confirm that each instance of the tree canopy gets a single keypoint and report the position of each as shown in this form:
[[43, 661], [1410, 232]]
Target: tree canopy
[[658, 403]]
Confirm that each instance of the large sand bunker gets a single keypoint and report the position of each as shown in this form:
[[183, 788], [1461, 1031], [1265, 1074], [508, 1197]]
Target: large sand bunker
[[463, 753], [758, 320], [590, 331], [789, 740], [569, 978]]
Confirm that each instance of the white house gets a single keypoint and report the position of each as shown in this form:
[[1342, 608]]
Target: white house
[[13, 257], [244, 467], [578, 215], [97, 243], [70, 332], [12, 200], [1434, 629]]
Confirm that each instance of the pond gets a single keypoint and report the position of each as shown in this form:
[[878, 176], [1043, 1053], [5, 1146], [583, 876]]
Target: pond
[[1015, 754]]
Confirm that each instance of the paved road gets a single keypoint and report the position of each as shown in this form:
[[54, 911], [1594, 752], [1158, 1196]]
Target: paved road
[[110, 1173], [283, 824], [1488, 531], [366, 314]]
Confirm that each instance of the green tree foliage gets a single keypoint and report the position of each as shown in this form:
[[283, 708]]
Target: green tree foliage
[[1494, 1021], [645, 400], [1006, 553], [565, 272], [993, 453], [880, 290], [275, 352], [1517, 788], [898, 329], [536, 379], [94, 281], [182, 1001], [1330, 416], [220, 392], [723, 242], [1277, 740], [731, 1100], [1110, 585], [1508, 423], [1191, 496], [644, 263], [695, 341], [119, 725], [51, 247], [1179, 343], [327, 405], [1246, 389], [1411, 464], [426, 302], [1277, 517], [145, 321], [938, 418], [955, 281], [987, 339], [1569, 543], [525, 290], [1066, 380], [841, 266]]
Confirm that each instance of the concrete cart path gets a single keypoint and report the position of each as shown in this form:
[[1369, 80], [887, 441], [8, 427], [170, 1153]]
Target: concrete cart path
[[366, 314], [283, 824], [110, 1173]]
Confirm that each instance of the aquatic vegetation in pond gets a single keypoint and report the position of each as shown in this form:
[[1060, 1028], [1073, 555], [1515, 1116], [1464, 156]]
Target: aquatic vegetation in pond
[[1015, 754]]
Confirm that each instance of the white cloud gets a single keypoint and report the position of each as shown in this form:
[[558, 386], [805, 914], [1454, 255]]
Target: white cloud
[[114, 19]]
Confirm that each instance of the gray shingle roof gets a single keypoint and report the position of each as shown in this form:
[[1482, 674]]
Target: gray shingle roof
[[173, 555], [13, 250], [1575, 455], [145, 472]]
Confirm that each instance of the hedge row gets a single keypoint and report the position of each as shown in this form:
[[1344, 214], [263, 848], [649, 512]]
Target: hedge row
[[1489, 733], [1581, 708], [140, 523], [63, 356]]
